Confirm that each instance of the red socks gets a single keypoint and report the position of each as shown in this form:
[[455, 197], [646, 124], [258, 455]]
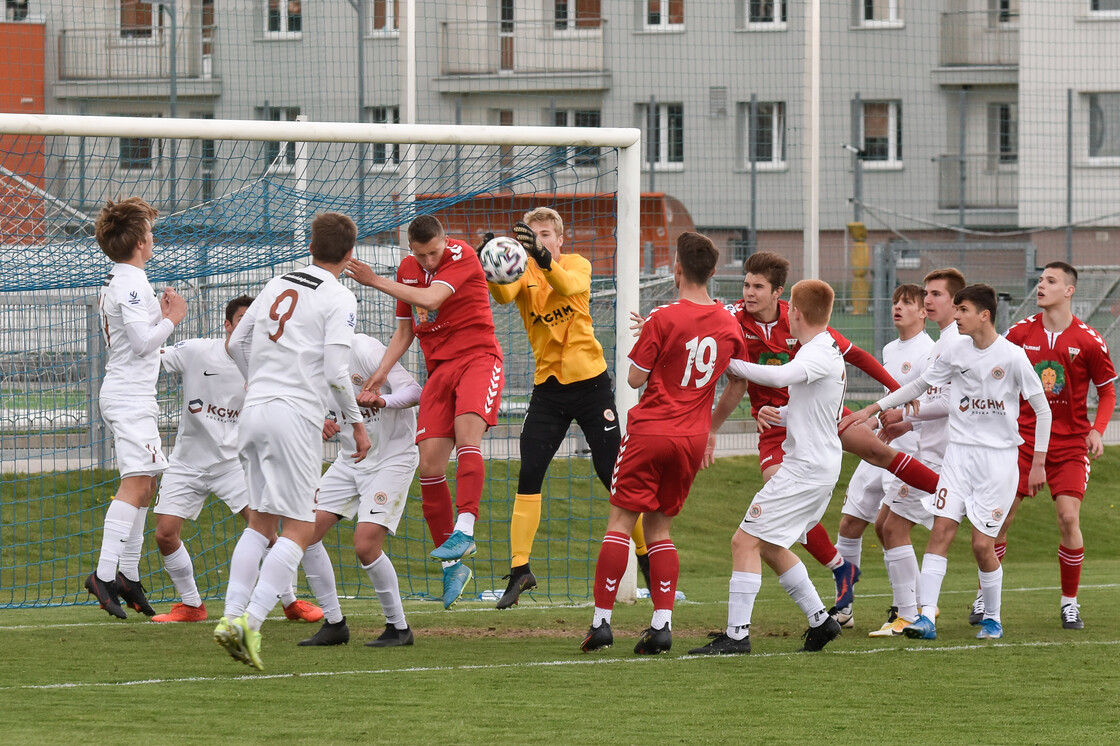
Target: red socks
[[613, 556], [914, 473], [1069, 562], [664, 569], [438, 513], [818, 544], [470, 475]]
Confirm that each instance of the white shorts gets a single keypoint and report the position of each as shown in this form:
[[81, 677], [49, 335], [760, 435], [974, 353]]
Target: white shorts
[[865, 492], [978, 482], [183, 491], [373, 496], [785, 509], [135, 427], [282, 454], [911, 503]]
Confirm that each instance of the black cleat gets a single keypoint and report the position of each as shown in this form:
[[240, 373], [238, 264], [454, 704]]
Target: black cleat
[[1071, 617], [654, 641], [328, 634], [521, 579], [817, 637], [597, 638], [392, 638], [106, 595], [132, 593], [976, 612], [721, 644], [643, 566]]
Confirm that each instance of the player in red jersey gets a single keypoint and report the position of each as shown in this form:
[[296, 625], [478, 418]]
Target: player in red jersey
[[1069, 357], [442, 300], [765, 323], [682, 351]]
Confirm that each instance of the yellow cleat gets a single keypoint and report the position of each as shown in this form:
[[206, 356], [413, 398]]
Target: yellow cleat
[[892, 628]]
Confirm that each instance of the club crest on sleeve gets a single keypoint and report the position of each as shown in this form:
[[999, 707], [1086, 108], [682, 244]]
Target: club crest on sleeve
[[351, 320], [133, 298]]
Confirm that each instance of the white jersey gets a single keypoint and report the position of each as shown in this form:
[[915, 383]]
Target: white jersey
[[392, 431], [987, 385], [934, 438], [905, 360], [291, 323], [213, 393], [126, 297]]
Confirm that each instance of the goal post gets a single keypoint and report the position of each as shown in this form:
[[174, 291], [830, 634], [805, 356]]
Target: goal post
[[235, 209]]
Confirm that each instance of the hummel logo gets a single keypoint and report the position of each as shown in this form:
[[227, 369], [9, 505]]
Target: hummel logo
[[666, 586], [208, 373], [612, 584]]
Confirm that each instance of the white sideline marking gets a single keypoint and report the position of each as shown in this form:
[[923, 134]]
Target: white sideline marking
[[539, 664], [490, 609]]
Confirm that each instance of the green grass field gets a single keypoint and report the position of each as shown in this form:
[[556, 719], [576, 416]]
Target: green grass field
[[71, 675]]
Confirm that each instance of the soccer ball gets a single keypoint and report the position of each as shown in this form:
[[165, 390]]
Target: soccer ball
[[503, 260]]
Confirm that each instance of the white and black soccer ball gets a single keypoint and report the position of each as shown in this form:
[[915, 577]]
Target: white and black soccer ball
[[503, 260]]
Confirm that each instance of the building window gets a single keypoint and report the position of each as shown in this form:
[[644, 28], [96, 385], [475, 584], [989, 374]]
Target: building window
[[386, 155], [15, 10], [878, 12], [571, 14], [882, 131], [1003, 133], [137, 153], [664, 15], [139, 20], [766, 12], [1104, 125], [769, 131], [385, 16], [578, 157], [1105, 6], [663, 133], [279, 157], [284, 17]]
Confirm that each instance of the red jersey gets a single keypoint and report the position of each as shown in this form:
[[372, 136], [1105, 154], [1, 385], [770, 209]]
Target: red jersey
[[685, 347], [1076, 358], [464, 325], [774, 344]]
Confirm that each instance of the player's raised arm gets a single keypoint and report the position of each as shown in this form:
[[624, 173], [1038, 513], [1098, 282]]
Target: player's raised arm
[[431, 297], [240, 342]]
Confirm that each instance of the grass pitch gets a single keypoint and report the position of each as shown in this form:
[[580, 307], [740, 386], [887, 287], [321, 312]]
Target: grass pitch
[[72, 675]]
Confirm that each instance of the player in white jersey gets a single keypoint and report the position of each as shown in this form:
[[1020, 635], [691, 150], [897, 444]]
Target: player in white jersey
[[980, 471], [204, 460], [374, 491], [904, 358], [907, 505], [795, 498], [293, 346], [135, 324]]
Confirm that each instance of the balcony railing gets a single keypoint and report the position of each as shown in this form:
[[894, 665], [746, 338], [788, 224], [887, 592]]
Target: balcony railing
[[991, 181], [979, 38], [493, 47], [112, 54]]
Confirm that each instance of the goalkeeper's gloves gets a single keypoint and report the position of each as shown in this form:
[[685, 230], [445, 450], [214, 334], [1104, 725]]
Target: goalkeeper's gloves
[[533, 246], [486, 238]]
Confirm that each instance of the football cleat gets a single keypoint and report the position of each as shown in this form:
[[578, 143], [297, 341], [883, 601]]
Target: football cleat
[[304, 611], [597, 638], [455, 579], [521, 579], [457, 546], [844, 616], [229, 636], [923, 628], [183, 613], [846, 576], [976, 613], [106, 595], [1071, 617], [654, 641], [329, 634], [990, 629], [392, 638], [892, 628], [132, 593], [817, 637], [722, 644]]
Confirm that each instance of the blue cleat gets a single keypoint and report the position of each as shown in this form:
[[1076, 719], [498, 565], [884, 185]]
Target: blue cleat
[[457, 546], [847, 575], [990, 629], [922, 629], [455, 579]]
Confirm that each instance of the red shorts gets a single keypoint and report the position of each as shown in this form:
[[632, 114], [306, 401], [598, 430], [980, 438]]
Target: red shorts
[[655, 472], [1067, 467], [770, 451], [471, 386]]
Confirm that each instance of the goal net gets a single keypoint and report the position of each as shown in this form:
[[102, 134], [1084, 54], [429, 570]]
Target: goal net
[[236, 199]]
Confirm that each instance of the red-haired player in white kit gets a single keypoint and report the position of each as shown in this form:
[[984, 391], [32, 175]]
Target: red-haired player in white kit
[[1069, 356]]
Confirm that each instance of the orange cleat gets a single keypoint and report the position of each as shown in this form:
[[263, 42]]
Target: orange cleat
[[183, 613], [298, 611]]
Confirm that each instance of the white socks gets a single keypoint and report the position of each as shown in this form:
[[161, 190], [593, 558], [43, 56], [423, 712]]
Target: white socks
[[601, 615], [903, 567], [796, 583], [384, 578], [850, 549], [276, 575], [465, 523], [244, 567], [662, 618], [991, 586], [319, 571], [115, 534], [130, 557], [179, 566], [929, 584], [741, 593]]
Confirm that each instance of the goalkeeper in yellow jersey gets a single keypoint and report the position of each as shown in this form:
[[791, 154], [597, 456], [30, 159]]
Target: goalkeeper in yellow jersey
[[570, 382]]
